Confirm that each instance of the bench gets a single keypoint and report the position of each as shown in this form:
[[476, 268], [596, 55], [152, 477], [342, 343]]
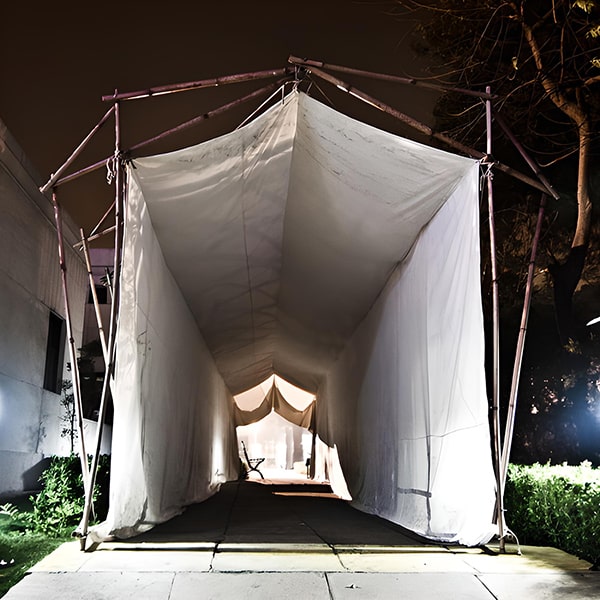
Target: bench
[[253, 463]]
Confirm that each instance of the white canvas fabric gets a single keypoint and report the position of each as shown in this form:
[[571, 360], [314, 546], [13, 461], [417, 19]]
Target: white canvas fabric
[[344, 260], [410, 384], [174, 439], [275, 401]]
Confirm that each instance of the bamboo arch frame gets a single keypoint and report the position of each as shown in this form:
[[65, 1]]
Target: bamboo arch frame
[[306, 68]]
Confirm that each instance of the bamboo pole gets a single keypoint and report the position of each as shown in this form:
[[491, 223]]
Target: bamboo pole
[[424, 129], [528, 159], [86, 253], [56, 176], [495, 332], [109, 364], [89, 169], [187, 124], [191, 85], [119, 228], [512, 404], [88, 505], [101, 221], [91, 238], [305, 62], [213, 113], [71, 341], [313, 455]]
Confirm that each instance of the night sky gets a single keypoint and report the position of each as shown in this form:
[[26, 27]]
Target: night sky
[[58, 59]]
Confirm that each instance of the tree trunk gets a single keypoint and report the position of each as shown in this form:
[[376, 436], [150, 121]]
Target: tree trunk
[[566, 276]]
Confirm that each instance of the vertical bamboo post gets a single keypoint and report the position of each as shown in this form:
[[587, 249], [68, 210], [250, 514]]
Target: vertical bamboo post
[[495, 329], [109, 368], [71, 341], [89, 497], [512, 403], [119, 227], [313, 444]]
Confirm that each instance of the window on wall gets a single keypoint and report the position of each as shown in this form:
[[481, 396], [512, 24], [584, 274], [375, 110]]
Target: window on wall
[[55, 352]]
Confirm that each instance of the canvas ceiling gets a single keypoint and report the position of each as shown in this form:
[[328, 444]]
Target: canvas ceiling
[[282, 234]]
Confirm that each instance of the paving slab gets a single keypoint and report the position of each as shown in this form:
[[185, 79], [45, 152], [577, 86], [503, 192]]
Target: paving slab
[[92, 586], [274, 547], [141, 561], [121, 557], [66, 558], [250, 586], [545, 586], [276, 561], [424, 586], [403, 561], [531, 559]]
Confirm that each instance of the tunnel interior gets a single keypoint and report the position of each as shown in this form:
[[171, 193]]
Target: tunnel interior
[[336, 257]]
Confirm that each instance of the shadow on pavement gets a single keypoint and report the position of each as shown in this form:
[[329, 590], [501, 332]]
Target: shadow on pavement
[[253, 512]]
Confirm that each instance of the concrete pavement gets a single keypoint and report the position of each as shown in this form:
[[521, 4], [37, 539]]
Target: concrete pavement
[[263, 542]]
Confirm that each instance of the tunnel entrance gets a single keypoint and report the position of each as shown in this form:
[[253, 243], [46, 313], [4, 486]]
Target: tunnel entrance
[[340, 257], [283, 448], [278, 439], [281, 443]]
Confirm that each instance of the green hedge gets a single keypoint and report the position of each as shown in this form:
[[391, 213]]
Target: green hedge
[[556, 506]]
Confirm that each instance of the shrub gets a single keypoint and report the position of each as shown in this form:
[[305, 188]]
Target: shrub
[[58, 507], [557, 506], [26, 536]]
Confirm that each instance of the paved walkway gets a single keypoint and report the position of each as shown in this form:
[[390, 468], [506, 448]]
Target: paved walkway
[[260, 542]]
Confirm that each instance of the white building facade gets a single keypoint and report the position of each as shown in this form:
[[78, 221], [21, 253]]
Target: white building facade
[[33, 346]]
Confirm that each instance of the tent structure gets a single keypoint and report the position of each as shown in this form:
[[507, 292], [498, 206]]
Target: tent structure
[[339, 257]]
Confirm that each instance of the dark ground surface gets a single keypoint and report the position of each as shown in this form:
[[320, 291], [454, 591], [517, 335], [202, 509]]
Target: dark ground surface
[[254, 512]]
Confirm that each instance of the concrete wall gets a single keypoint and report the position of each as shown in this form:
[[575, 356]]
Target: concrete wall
[[30, 288]]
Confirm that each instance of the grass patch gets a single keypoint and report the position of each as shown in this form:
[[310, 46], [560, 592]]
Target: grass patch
[[25, 549]]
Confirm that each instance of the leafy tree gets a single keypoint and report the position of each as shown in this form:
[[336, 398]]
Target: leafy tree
[[542, 59]]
